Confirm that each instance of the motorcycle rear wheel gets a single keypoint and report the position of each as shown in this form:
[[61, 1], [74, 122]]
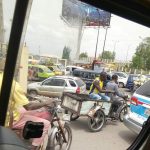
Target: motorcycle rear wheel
[[96, 122]]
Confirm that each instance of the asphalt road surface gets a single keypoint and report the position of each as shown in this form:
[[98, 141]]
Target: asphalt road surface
[[113, 136]]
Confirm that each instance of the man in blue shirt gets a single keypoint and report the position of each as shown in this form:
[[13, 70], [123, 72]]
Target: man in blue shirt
[[113, 86]]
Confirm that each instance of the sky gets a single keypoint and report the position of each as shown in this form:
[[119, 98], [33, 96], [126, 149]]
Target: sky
[[47, 33]]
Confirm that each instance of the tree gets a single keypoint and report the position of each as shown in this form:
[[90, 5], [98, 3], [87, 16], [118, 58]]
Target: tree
[[66, 53], [83, 55], [108, 55], [141, 59]]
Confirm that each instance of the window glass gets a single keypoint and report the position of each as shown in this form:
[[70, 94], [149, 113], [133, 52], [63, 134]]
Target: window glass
[[40, 70], [67, 69], [76, 73], [72, 83], [49, 82], [85, 75], [59, 82], [73, 68], [51, 68], [144, 89]]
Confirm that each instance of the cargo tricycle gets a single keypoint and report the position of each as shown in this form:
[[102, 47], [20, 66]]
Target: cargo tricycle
[[81, 105], [97, 111]]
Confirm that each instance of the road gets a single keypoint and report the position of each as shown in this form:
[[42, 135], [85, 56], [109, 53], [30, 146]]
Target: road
[[113, 136]]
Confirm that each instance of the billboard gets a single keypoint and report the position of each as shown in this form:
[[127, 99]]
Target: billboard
[[75, 12]]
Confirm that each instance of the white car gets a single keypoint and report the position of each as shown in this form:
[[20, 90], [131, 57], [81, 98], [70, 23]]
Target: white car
[[55, 86], [69, 69], [139, 108], [122, 78]]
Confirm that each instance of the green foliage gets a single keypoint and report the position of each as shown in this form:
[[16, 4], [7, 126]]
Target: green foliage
[[66, 53], [108, 55], [141, 59], [83, 55], [47, 62]]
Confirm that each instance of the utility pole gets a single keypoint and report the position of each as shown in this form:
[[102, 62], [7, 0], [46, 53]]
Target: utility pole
[[1, 23]]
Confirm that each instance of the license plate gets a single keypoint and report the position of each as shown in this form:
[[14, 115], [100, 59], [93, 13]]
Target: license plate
[[66, 117], [147, 112]]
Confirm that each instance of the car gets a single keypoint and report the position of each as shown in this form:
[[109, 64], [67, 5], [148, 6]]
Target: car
[[55, 86], [139, 108], [130, 82], [39, 72], [61, 67], [140, 81], [69, 69], [122, 78], [56, 70]]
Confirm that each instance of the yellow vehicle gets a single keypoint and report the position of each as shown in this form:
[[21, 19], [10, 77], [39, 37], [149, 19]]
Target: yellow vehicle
[[39, 72], [56, 70]]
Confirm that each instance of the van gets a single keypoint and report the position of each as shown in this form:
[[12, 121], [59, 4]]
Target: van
[[69, 69], [88, 76], [39, 72]]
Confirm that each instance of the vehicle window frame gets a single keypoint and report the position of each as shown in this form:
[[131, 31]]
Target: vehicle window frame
[[144, 89], [40, 69], [73, 82], [43, 83], [59, 82]]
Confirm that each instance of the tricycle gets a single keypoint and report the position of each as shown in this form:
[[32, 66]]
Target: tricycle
[[97, 111]]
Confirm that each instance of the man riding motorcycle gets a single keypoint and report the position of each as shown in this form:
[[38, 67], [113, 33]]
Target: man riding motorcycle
[[113, 86]]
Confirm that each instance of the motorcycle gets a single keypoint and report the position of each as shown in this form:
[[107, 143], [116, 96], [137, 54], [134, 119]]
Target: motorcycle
[[59, 136]]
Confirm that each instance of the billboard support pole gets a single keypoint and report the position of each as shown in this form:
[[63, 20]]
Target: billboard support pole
[[79, 40], [97, 35], [104, 42], [97, 42]]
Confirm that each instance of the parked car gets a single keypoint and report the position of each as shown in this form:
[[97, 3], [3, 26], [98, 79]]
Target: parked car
[[130, 82], [56, 70], [139, 108], [61, 67], [69, 69], [39, 72], [122, 78], [88, 76], [55, 86]]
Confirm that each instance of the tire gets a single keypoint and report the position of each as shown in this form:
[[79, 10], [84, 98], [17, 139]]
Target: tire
[[33, 93], [58, 139], [121, 85], [96, 123], [74, 117], [123, 112]]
